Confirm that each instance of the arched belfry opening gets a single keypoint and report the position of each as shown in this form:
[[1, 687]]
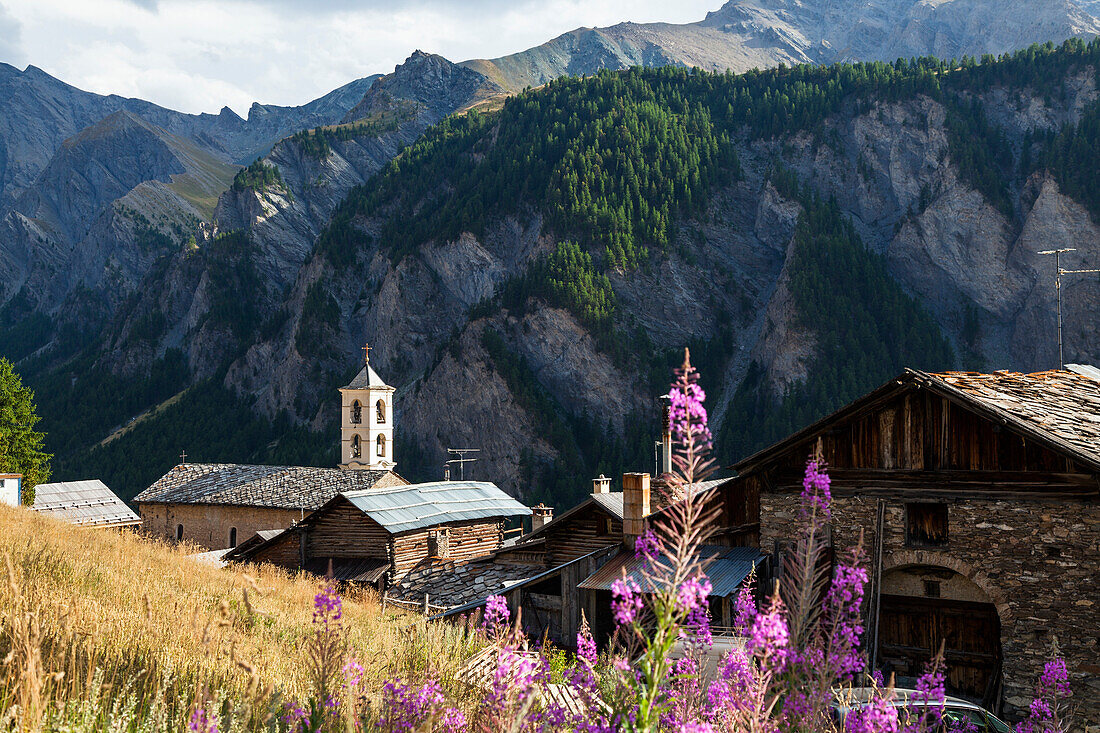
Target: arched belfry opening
[[923, 607]]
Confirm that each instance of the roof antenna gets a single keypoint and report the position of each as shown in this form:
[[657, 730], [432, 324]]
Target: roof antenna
[[462, 460], [1058, 272]]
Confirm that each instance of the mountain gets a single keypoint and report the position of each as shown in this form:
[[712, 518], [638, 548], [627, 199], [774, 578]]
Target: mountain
[[746, 34], [526, 276]]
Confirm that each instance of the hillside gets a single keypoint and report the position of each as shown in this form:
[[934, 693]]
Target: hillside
[[148, 649], [526, 276]]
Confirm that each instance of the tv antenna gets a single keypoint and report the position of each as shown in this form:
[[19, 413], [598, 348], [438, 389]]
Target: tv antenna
[[462, 460], [1058, 272]]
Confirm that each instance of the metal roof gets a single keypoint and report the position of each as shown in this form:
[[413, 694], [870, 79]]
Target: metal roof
[[416, 506], [725, 567], [350, 570], [366, 378], [612, 502], [83, 503], [237, 484]]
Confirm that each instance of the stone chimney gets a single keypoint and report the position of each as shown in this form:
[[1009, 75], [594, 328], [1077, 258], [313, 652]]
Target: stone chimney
[[635, 505], [666, 437], [601, 485], [541, 515]]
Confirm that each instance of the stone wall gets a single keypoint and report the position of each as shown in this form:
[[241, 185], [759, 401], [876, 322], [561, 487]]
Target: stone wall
[[208, 525], [1039, 563]]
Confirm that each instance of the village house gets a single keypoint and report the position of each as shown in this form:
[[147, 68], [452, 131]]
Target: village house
[[83, 503], [377, 536], [978, 502], [218, 506]]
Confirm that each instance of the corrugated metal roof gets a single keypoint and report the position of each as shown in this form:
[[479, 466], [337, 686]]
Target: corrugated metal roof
[[725, 567], [612, 502], [83, 503], [417, 506], [350, 570]]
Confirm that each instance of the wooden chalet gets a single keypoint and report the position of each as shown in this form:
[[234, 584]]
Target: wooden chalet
[[978, 500], [378, 536]]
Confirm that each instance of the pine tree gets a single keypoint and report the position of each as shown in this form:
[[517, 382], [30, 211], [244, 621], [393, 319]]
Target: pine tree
[[20, 445]]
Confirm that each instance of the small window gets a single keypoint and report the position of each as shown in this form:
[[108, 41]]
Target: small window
[[603, 526], [925, 525], [356, 447], [380, 409], [179, 533], [381, 451], [357, 412], [232, 536]]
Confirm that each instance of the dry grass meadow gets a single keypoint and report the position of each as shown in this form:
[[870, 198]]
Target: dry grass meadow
[[109, 630]]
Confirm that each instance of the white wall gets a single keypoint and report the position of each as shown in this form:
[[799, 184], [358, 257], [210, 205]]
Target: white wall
[[9, 491]]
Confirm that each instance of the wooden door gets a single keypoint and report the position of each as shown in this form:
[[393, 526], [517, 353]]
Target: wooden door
[[911, 630]]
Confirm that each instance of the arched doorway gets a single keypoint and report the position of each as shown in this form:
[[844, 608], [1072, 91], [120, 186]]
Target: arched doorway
[[922, 607]]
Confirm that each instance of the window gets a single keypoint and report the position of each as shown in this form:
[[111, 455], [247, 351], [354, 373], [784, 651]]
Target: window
[[380, 409], [179, 532], [357, 412], [232, 536], [603, 526], [925, 525], [381, 452], [356, 448]]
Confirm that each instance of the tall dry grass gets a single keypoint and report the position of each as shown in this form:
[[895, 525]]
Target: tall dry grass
[[106, 629]]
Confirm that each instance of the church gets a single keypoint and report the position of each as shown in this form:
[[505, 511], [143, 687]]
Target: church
[[218, 506]]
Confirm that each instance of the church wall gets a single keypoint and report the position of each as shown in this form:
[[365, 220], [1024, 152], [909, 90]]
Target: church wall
[[208, 525]]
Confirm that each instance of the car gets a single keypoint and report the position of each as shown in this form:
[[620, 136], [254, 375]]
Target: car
[[958, 714]]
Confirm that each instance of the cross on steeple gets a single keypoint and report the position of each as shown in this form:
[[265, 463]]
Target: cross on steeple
[[366, 353], [183, 457]]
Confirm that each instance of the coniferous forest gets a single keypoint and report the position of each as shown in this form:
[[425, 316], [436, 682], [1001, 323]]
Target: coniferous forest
[[616, 164]]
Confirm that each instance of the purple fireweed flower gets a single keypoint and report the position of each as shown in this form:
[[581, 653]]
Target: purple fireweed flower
[[692, 594], [880, 716], [496, 613], [695, 727], [647, 545], [626, 600], [586, 647], [769, 634], [817, 499], [746, 608], [687, 416], [926, 707], [353, 674], [842, 615], [202, 722], [295, 717], [1055, 678], [1040, 710], [406, 708], [454, 721], [327, 606]]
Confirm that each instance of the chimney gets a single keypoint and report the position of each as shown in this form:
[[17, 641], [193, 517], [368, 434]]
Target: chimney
[[666, 438], [446, 473], [541, 515], [601, 485], [635, 505]]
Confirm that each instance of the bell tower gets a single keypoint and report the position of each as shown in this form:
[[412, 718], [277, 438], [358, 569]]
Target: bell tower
[[366, 421]]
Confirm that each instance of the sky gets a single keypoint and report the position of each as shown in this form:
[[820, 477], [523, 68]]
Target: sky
[[200, 55]]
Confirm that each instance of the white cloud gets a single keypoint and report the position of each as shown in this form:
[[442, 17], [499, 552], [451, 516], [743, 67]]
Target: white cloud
[[198, 55], [11, 48]]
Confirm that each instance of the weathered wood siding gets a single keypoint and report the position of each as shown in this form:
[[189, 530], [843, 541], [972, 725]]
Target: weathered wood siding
[[284, 551], [581, 534], [344, 531], [468, 540]]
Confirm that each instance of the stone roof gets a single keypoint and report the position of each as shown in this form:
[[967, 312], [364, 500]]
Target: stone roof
[[83, 503], [277, 487], [366, 378], [452, 584], [1061, 405]]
